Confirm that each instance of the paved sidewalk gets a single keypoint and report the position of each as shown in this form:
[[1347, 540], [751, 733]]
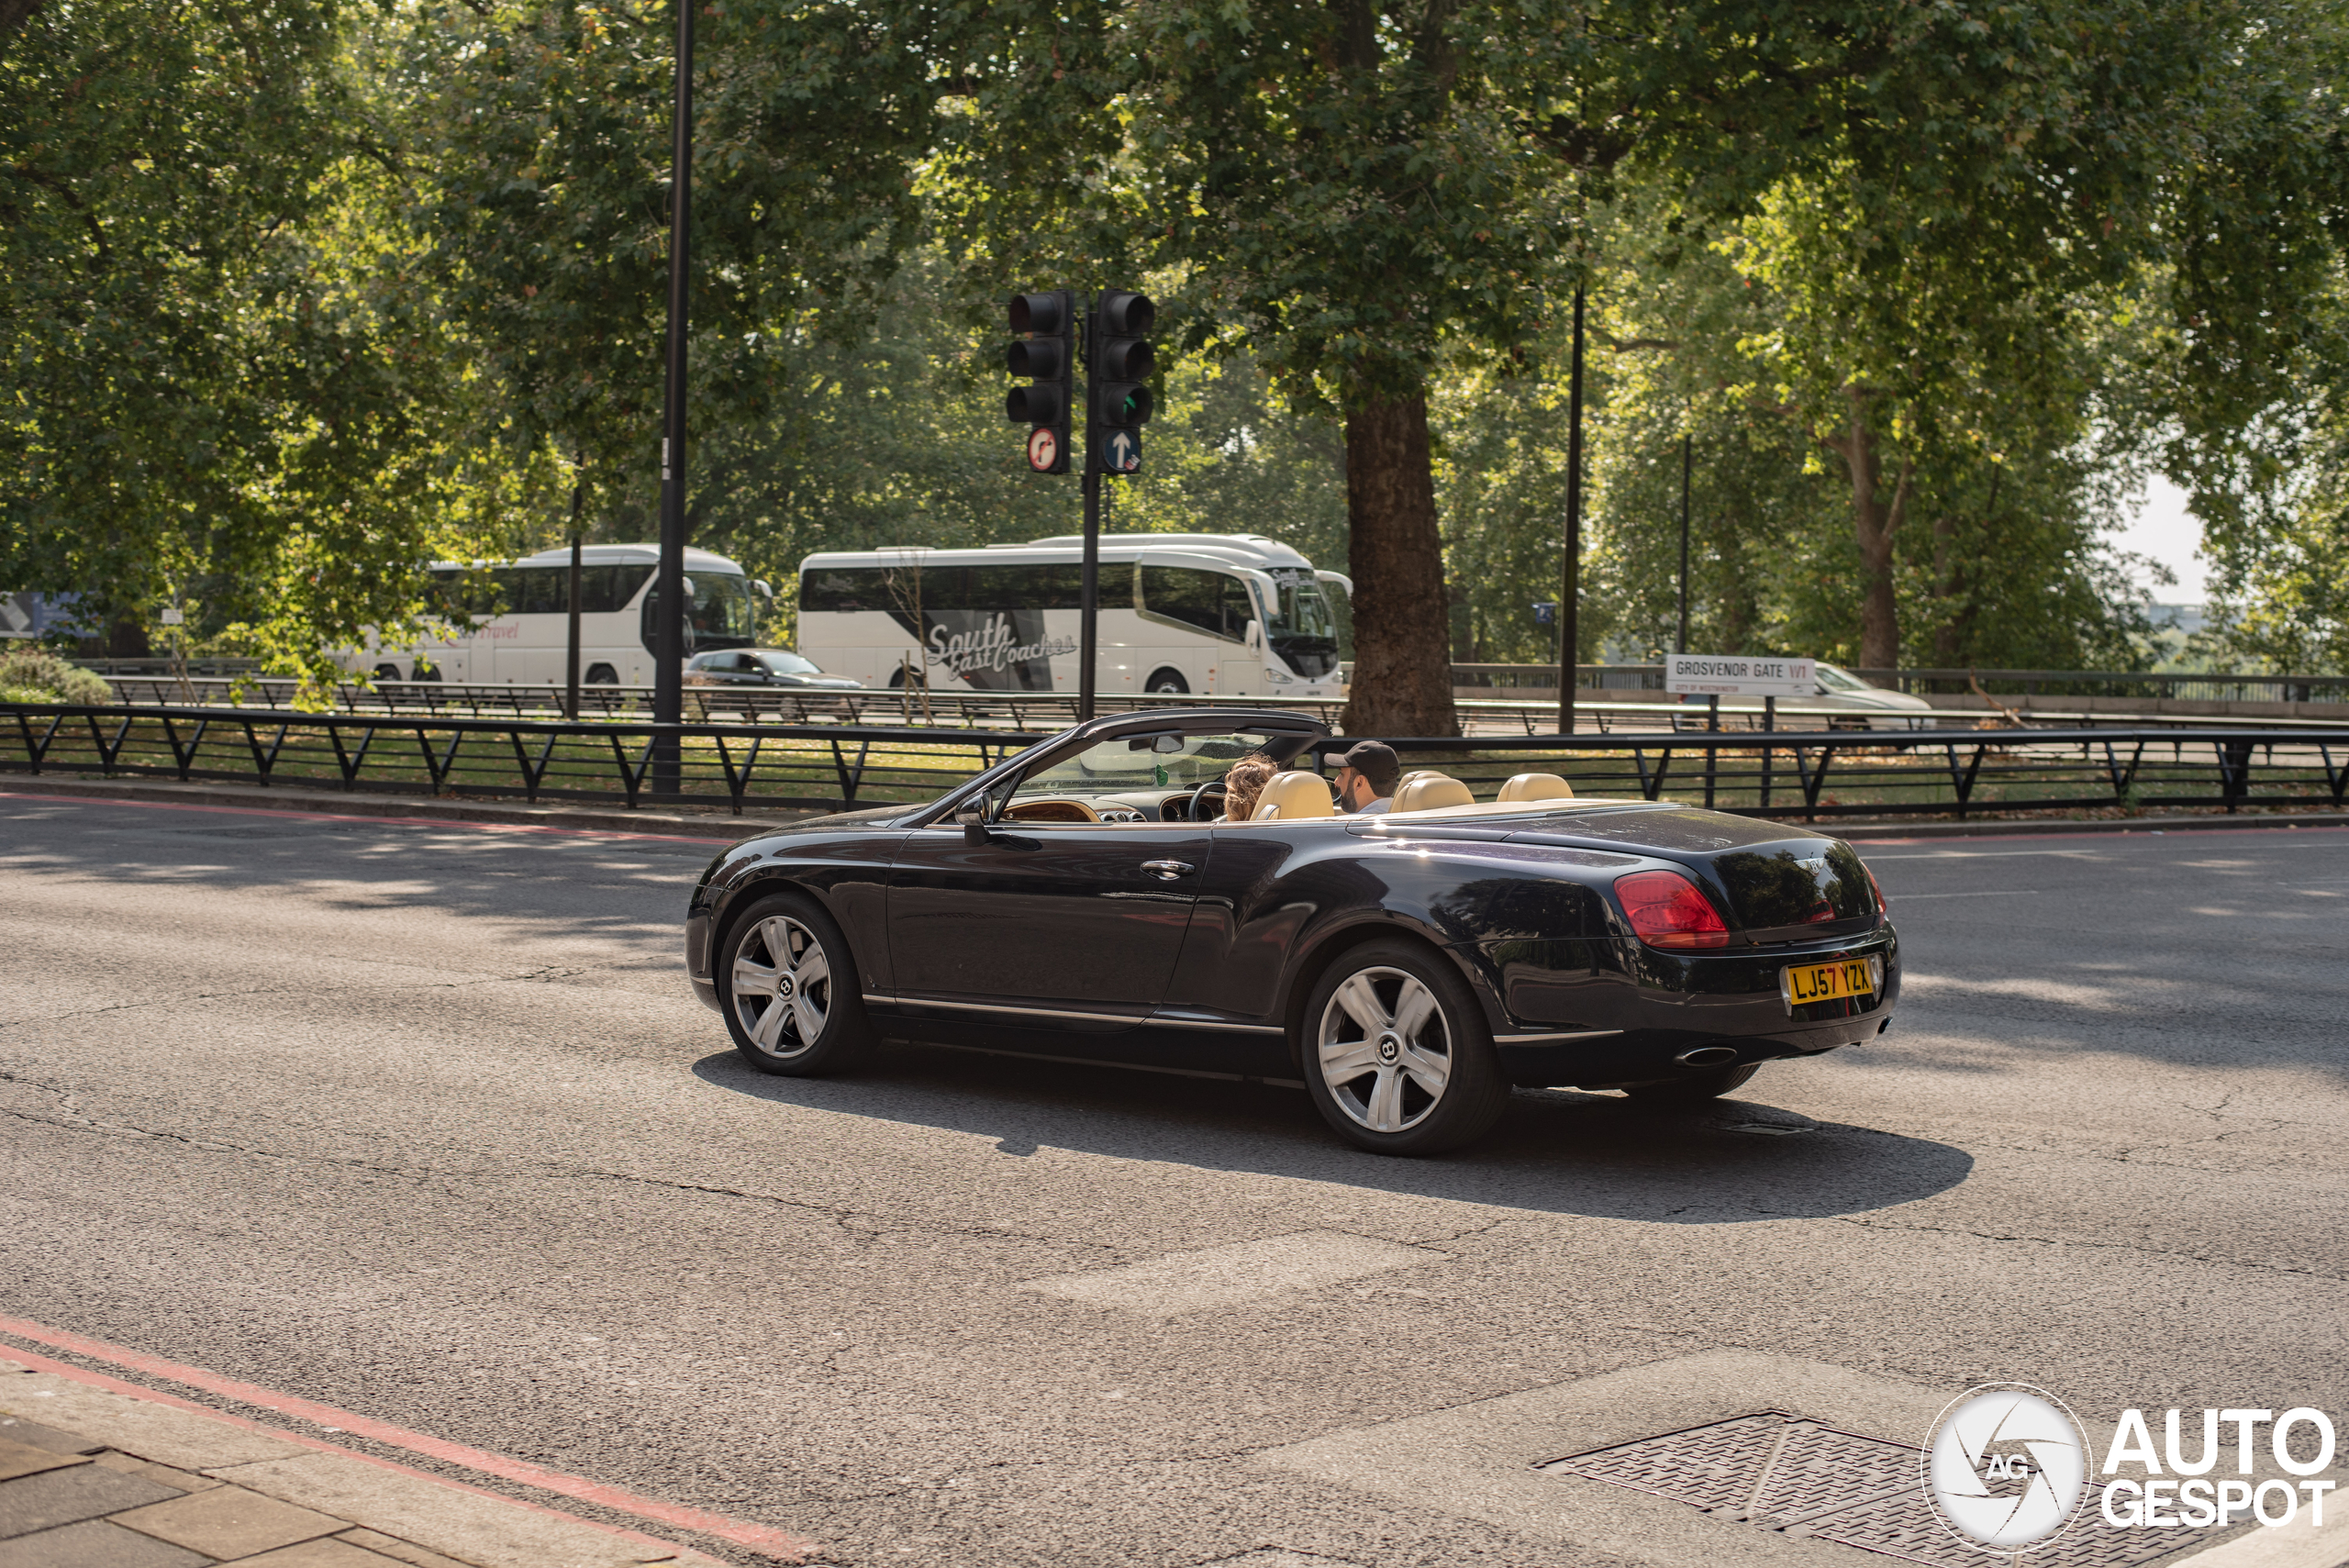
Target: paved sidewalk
[[91, 1478]]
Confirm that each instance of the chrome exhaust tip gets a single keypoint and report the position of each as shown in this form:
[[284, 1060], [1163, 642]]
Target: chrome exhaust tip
[[1707, 1056]]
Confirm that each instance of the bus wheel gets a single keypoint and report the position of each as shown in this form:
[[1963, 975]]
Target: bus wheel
[[387, 671], [1167, 681], [602, 675]]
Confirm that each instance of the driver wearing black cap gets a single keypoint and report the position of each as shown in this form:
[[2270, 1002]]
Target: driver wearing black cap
[[1366, 782]]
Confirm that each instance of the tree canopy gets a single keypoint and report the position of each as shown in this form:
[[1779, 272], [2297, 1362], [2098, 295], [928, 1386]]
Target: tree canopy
[[305, 294]]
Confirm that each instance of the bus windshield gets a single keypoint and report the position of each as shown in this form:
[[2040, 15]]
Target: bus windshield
[[1303, 613], [721, 613], [1303, 631]]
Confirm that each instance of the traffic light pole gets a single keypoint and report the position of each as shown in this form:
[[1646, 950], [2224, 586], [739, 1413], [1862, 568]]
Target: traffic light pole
[[1088, 623], [1087, 643]]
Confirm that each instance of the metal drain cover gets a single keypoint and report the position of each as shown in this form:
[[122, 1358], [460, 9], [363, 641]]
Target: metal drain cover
[[1782, 1473]]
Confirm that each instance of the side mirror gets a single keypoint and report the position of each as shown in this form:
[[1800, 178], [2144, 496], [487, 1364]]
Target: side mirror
[[762, 586], [972, 815], [1256, 637]]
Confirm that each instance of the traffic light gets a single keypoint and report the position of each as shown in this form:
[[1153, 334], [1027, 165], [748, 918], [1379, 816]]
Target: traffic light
[[1123, 362], [1045, 352]]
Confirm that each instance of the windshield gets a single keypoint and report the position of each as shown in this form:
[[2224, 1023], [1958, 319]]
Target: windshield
[[1303, 631], [1304, 613], [721, 614], [779, 663], [1130, 763], [1832, 678]]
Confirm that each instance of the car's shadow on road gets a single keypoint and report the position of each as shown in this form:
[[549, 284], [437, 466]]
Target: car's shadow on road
[[1724, 1161]]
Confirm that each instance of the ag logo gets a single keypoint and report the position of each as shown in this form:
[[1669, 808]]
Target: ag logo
[[2006, 1467]]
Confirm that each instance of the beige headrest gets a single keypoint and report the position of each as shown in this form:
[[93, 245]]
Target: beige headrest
[[1291, 795], [1536, 786], [1428, 792]]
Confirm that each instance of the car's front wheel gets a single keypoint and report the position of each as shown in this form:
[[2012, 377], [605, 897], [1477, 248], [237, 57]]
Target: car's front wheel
[[789, 989], [1397, 1056]]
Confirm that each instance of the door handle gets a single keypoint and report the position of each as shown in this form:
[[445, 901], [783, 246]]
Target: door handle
[[1167, 871]]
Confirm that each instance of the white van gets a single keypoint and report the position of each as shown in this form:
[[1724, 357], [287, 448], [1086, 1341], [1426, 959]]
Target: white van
[[518, 613], [1225, 615]]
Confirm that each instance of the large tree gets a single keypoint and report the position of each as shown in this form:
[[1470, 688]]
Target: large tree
[[223, 383], [541, 133]]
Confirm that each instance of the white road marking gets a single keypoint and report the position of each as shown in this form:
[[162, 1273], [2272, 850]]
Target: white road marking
[[1225, 1276]]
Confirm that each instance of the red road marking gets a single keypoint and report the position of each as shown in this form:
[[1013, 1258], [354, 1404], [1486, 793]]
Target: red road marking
[[757, 1538], [367, 816]]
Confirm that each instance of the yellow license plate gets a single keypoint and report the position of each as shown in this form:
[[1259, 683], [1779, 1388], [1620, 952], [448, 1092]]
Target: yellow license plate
[[1802, 984]]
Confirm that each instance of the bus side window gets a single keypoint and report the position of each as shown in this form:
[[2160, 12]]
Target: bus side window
[[1215, 601]]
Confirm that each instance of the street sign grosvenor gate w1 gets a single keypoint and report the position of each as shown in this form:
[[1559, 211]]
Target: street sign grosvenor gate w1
[[1739, 675]]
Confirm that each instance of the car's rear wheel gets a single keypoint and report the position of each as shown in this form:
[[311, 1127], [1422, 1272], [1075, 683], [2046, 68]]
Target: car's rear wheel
[[788, 989], [1695, 1086], [1397, 1056]]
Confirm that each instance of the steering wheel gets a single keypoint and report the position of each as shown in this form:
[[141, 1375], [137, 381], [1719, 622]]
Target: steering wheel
[[1206, 803]]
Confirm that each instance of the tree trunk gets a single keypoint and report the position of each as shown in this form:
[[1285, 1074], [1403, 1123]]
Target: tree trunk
[[1953, 639], [1875, 520], [1402, 684], [1949, 586]]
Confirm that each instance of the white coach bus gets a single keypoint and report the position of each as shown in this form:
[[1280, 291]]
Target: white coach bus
[[511, 620], [1230, 614]]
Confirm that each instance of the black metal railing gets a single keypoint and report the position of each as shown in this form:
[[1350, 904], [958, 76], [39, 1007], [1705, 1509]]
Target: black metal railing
[[823, 768], [1814, 774], [2202, 686], [1954, 773]]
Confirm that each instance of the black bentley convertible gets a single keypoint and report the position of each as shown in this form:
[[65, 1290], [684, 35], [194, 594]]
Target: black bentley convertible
[[1087, 899]]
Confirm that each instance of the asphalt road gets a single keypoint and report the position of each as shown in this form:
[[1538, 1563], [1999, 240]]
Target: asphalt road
[[423, 1122]]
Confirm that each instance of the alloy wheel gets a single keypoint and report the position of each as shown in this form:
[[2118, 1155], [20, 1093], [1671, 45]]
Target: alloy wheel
[[1384, 1048], [784, 1000]]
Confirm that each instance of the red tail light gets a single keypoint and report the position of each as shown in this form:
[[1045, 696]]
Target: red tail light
[[1882, 905], [1667, 911]]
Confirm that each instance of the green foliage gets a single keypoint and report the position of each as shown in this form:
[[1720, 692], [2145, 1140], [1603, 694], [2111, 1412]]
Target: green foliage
[[302, 294], [28, 673], [223, 369]]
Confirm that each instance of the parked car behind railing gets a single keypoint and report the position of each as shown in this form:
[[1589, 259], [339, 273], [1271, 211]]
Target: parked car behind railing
[[764, 667]]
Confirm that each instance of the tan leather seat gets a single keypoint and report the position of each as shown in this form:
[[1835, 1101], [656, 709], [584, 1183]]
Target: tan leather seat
[[1536, 786], [1290, 796], [1431, 792]]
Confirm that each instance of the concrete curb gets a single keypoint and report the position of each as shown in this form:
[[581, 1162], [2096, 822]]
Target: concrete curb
[[190, 1451], [718, 827], [365, 1501]]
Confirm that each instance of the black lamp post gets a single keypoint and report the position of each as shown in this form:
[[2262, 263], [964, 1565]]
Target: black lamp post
[[669, 580], [1570, 591]]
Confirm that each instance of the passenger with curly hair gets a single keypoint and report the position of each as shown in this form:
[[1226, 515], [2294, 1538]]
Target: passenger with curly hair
[[1245, 783]]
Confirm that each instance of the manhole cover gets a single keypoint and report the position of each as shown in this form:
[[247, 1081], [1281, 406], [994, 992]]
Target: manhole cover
[[1779, 1472]]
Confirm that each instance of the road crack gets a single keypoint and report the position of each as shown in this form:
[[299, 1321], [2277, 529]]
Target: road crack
[[1866, 1224]]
